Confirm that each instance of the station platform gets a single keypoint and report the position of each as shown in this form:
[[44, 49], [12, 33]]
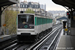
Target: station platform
[[7, 37], [4, 37], [66, 42]]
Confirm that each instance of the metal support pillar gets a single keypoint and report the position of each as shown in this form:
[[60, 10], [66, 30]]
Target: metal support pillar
[[72, 23], [69, 23], [68, 26], [0, 20], [0, 16]]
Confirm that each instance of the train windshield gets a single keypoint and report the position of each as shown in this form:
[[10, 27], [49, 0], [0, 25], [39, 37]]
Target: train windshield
[[25, 21]]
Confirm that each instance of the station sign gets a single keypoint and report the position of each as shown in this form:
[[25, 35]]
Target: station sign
[[66, 29], [4, 25]]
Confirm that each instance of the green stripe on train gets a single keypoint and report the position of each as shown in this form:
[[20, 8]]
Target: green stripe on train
[[39, 21]]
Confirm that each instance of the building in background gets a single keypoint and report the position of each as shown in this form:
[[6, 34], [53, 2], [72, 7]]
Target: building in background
[[23, 6], [43, 7], [35, 6], [31, 5], [58, 13]]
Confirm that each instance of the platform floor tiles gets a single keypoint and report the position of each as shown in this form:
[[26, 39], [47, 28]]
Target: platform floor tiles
[[66, 42]]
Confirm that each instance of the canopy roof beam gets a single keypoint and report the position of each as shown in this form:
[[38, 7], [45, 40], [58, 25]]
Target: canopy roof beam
[[66, 3]]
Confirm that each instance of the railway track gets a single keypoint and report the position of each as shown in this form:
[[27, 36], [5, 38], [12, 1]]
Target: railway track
[[4, 45], [17, 46], [46, 42], [34, 46]]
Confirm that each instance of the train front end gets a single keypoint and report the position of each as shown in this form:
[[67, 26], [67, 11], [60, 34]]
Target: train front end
[[25, 27]]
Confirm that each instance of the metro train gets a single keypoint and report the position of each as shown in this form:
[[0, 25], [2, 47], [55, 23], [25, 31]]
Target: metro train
[[30, 26]]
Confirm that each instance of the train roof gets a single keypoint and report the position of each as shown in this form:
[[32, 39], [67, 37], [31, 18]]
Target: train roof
[[26, 13], [36, 15]]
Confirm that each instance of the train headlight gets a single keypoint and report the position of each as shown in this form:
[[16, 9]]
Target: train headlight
[[30, 27]]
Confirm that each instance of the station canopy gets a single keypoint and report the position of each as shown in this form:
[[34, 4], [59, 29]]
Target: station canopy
[[66, 3], [7, 2], [62, 18]]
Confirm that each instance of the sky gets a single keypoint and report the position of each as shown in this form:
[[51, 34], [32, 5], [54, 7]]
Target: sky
[[49, 5]]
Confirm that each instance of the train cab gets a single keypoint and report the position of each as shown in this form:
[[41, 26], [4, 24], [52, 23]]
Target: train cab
[[25, 27]]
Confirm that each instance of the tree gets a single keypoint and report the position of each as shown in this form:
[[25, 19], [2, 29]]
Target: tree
[[10, 20], [29, 11]]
